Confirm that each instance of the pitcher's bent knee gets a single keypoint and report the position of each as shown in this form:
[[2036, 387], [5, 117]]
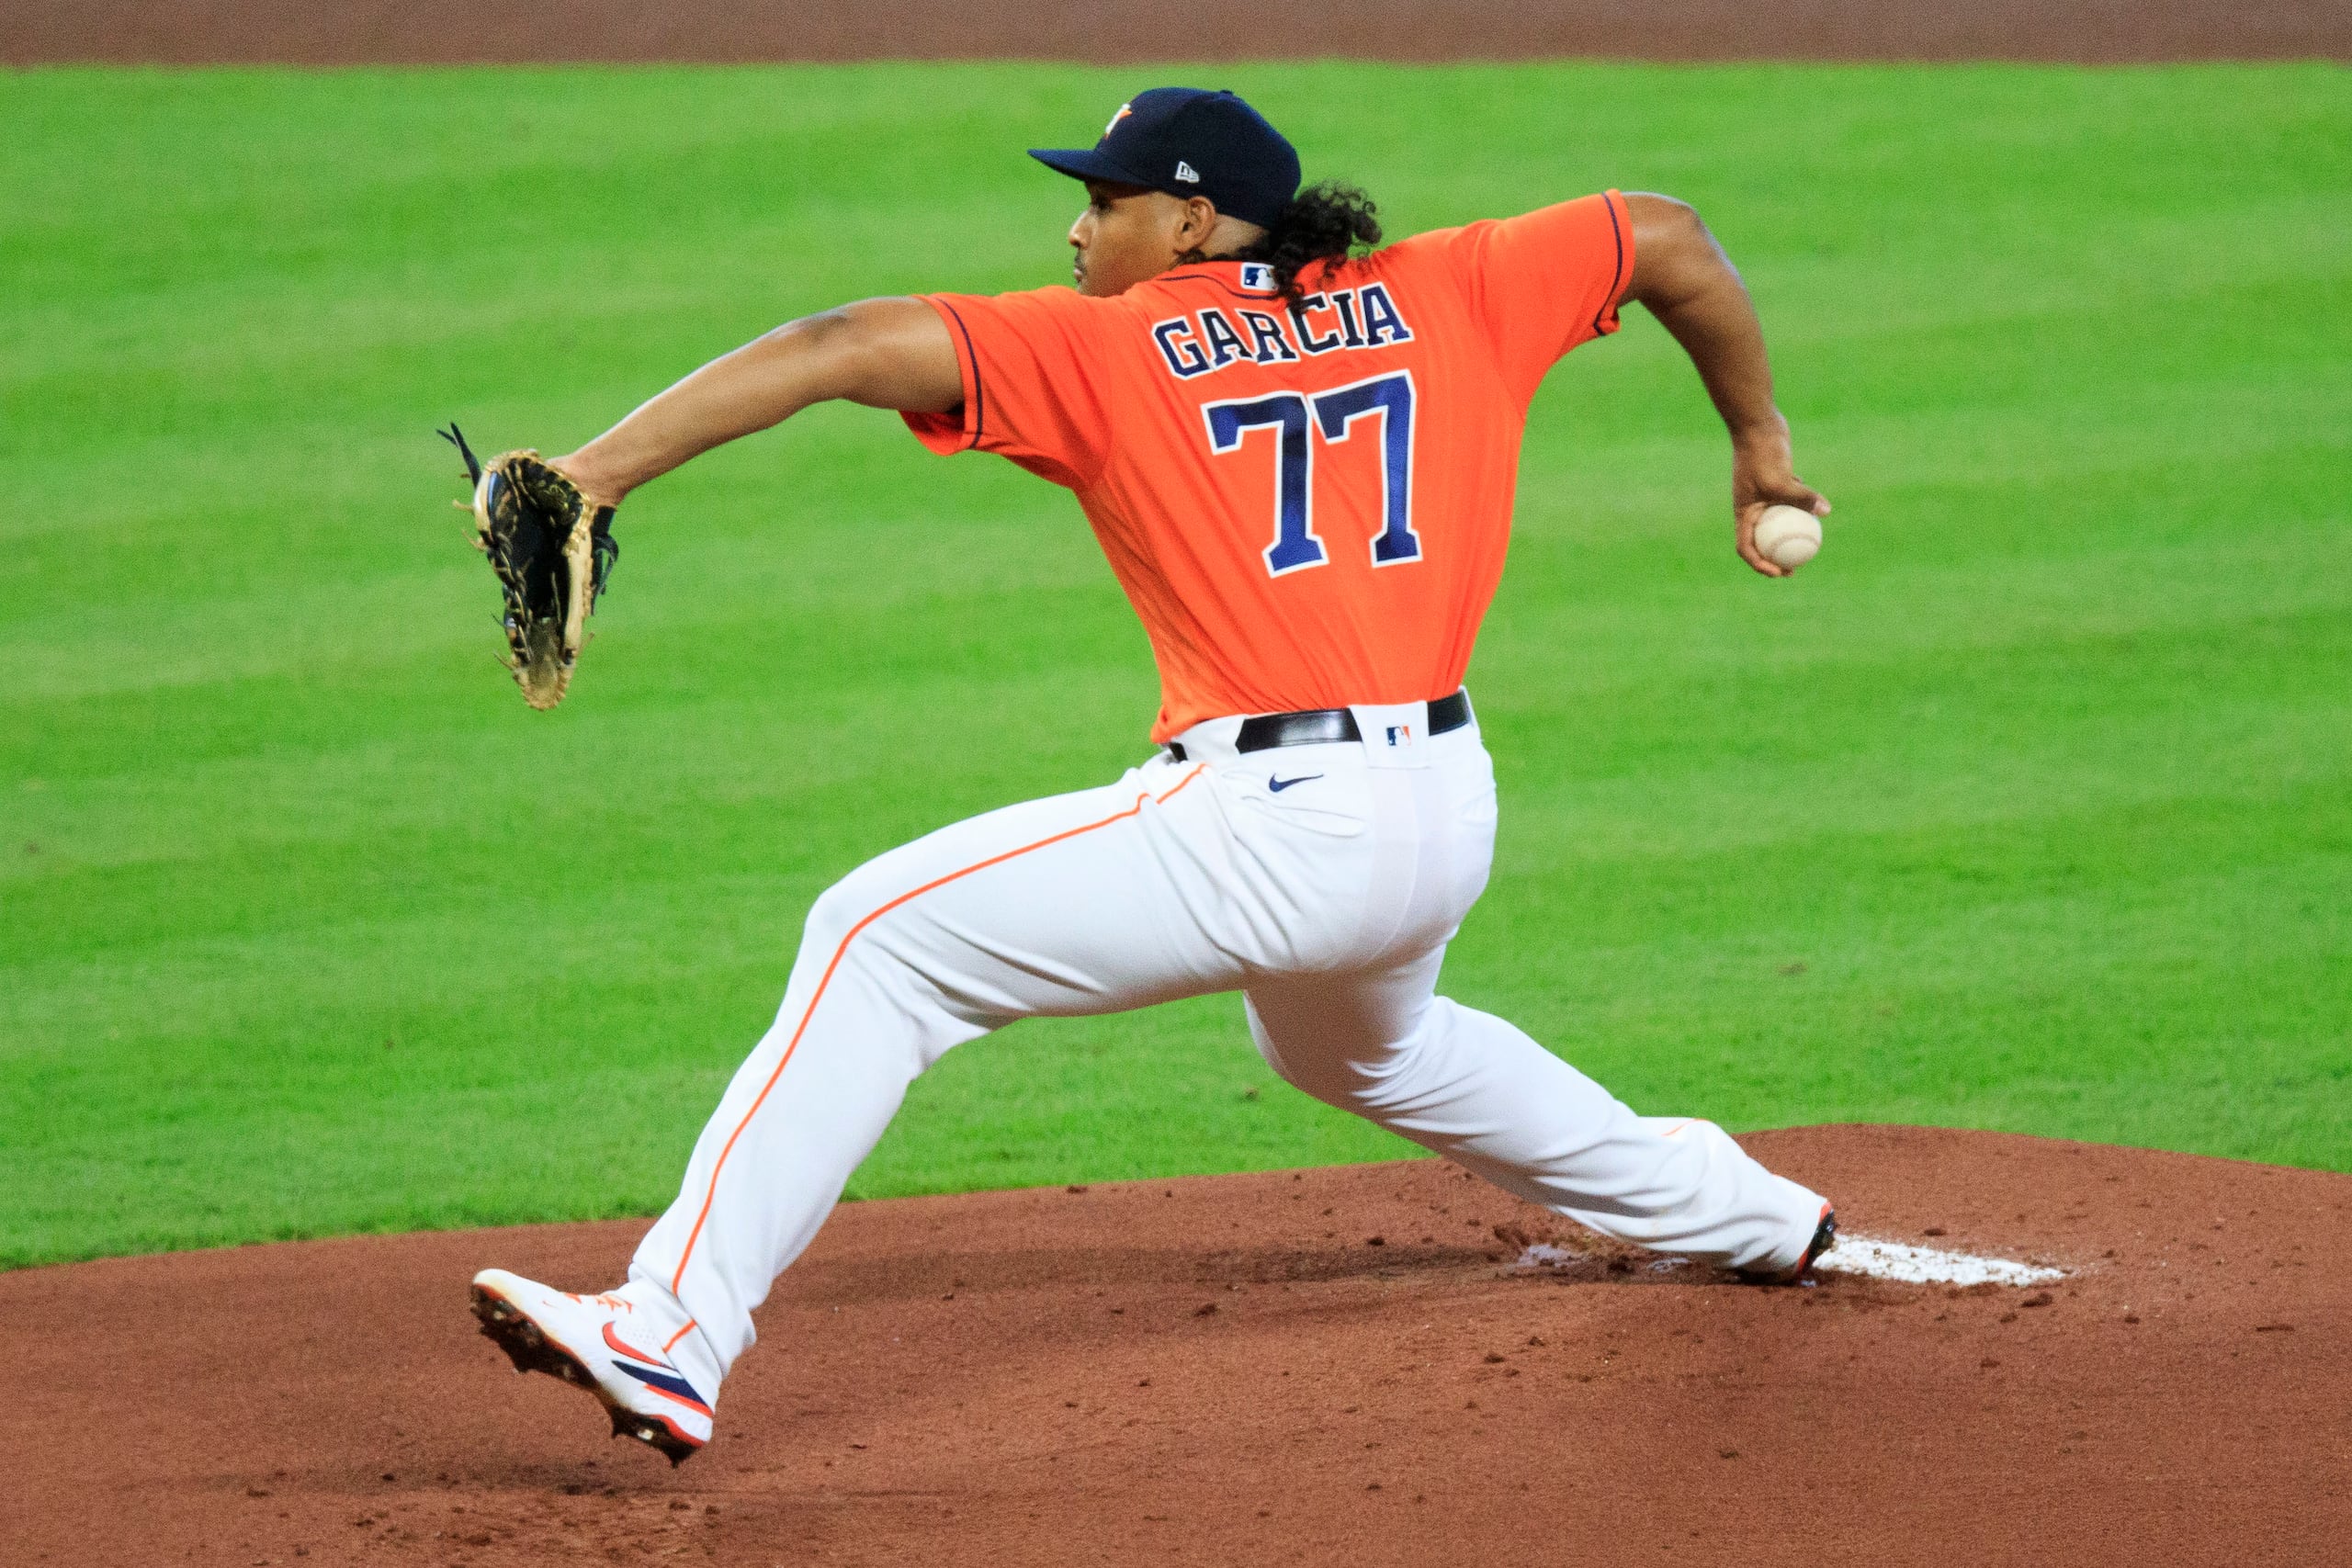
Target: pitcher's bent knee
[[830, 919], [1341, 1068], [865, 977], [853, 922]]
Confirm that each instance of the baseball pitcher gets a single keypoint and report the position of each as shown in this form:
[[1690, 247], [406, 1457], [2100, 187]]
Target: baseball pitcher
[[1298, 453]]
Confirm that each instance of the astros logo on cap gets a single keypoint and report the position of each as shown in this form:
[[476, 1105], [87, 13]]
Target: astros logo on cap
[[1187, 142]]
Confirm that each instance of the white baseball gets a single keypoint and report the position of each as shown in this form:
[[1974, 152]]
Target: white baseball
[[1788, 536]]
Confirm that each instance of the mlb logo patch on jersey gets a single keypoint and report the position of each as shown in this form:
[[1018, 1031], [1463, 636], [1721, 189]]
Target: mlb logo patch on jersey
[[1258, 275]]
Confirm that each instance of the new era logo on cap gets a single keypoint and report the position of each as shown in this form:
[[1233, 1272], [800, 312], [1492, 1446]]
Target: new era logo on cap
[[1187, 172]]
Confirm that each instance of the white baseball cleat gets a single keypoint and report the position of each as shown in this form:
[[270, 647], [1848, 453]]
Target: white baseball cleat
[[1825, 1237], [590, 1341]]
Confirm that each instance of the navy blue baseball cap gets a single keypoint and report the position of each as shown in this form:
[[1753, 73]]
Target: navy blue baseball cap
[[1191, 141]]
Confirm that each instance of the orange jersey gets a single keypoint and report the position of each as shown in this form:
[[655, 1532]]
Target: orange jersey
[[1308, 505]]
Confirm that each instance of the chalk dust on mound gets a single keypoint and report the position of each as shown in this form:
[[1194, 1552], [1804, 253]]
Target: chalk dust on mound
[[1346, 1367]]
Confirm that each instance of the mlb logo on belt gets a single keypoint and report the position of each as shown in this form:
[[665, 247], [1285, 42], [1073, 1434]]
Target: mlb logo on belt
[[1396, 735]]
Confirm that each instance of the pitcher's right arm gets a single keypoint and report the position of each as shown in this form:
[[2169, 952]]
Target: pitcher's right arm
[[1684, 280]]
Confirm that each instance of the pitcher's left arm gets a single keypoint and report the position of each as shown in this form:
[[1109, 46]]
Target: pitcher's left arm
[[891, 352]]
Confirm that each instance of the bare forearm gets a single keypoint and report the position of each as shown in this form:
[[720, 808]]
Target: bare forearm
[[761, 384], [886, 353], [1687, 282], [1696, 295], [1718, 329]]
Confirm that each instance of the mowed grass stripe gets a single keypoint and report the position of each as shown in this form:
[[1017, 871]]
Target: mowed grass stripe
[[2025, 808]]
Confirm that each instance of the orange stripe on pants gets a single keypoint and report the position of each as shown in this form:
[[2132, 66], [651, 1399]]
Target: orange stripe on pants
[[711, 1194]]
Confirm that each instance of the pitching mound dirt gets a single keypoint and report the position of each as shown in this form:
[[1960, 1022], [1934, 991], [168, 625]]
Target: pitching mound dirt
[[1348, 1365], [346, 32]]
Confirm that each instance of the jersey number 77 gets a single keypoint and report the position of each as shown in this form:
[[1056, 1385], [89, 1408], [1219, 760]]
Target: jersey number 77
[[1297, 419]]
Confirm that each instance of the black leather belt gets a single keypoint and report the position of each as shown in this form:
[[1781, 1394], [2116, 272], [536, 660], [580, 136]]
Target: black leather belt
[[1321, 727]]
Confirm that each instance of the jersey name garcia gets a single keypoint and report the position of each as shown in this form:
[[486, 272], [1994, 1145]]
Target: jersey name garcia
[[1213, 337], [1308, 501]]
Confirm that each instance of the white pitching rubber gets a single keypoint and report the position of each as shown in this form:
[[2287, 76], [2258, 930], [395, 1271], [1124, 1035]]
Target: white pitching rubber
[[1927, 1266]]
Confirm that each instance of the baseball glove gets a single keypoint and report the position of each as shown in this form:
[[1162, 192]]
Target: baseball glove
[[553, 550]]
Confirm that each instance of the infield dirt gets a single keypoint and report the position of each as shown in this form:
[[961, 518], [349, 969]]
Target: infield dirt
[[1337, 1366], [351, 32]]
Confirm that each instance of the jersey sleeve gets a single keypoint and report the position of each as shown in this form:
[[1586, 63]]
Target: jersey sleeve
[[1031, 387], [1544, 282]]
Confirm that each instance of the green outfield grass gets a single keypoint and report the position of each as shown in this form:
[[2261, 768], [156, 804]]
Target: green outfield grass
[[2029, 806]]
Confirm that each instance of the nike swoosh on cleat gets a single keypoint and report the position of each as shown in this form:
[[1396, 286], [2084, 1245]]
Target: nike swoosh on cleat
[[671, 1387], [1275, 787], [614, 1341]]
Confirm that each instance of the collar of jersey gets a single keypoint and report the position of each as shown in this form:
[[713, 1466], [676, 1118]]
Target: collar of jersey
[[1226, 275]]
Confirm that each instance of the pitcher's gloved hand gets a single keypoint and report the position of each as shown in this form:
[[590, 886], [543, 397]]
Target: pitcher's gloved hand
[[553, 549]]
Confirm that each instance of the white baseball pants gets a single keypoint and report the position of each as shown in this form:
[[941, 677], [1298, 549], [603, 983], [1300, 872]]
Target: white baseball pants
[[1323, 882]]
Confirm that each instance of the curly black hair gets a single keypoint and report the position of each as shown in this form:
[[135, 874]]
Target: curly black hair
[[1328, 220]]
